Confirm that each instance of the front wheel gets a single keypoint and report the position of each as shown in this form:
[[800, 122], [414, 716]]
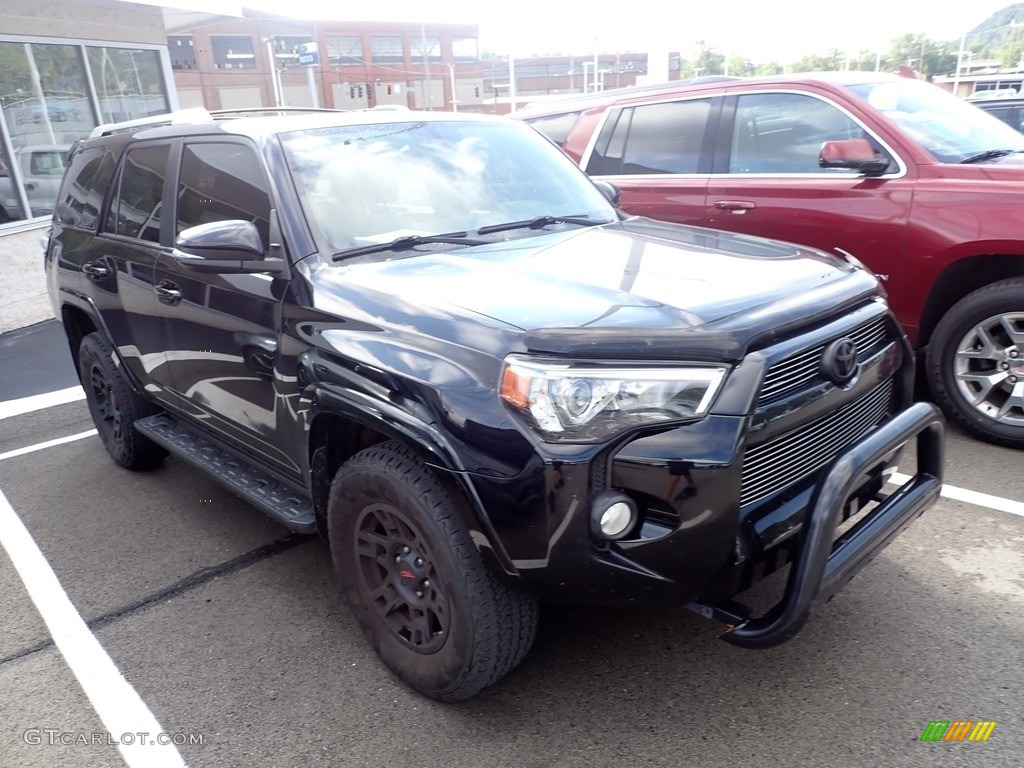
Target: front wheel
[[975, 363], [437, 617]]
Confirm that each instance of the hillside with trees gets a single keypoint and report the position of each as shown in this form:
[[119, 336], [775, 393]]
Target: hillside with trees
[[1001, 36]]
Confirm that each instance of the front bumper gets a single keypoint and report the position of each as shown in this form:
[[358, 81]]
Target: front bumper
[[705, 549], [823, 563]]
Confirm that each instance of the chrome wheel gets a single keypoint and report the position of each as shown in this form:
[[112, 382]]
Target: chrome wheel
[[989, 367]]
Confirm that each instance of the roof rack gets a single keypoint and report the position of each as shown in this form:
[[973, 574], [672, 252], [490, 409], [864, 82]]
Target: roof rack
[[222, 113], [195, 116]]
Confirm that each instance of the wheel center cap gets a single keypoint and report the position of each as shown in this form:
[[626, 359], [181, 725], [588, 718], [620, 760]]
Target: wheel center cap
[[1016, 366], [409, 573]]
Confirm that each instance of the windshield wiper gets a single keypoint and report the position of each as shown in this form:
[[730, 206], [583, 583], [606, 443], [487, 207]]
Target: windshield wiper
[[406, 242], [539, 222], [989, 154]]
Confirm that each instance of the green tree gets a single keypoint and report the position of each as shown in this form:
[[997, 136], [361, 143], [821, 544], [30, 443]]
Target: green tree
[[926, 56], [741, 66], [833, 61], [770, 68], [708, 62]]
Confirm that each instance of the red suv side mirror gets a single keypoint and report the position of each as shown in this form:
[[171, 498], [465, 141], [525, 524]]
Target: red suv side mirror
[[854, 154]]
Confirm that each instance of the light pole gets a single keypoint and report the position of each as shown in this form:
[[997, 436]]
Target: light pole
[[959, 63], [426, 68], [451, 72], [512, 83], [274, 76]]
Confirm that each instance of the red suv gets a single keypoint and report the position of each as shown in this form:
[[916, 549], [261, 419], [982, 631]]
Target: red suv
[[923, 188]]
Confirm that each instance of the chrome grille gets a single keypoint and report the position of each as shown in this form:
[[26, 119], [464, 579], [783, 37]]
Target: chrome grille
[[789, 458], [799, 371]]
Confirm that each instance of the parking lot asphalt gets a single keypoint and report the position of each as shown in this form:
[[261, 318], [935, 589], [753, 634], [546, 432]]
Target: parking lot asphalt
[[233, 634]]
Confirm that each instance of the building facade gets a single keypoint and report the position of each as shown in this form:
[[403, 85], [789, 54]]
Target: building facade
[[254, 61], [550, 77], [983, 78], [64, 69]]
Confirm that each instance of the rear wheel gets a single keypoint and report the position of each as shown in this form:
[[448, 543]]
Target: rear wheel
[[429, 606], [115, 406], [975, 363]]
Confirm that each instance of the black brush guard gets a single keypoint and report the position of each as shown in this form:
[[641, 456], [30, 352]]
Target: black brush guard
[[823, 563]]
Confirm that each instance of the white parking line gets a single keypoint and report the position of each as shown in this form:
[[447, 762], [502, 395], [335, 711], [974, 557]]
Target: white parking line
[[38, 402], [117, 703], [47, 444], [971, 497]]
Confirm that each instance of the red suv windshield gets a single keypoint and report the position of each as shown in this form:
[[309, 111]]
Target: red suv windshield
[[951, 129]]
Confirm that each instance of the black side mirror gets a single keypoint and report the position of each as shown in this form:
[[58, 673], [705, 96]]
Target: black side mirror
[[227, 246], [610, 191], [854, 155]]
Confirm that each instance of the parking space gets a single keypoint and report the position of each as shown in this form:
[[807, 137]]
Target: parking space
[[231, 630]]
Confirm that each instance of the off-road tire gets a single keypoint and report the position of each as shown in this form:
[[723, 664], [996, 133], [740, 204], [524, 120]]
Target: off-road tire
[[393, 529]]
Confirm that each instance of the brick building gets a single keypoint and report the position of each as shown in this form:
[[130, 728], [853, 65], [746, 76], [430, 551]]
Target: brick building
[[225, 63]]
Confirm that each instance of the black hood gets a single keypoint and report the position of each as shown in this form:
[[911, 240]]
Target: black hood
[[636, 288]]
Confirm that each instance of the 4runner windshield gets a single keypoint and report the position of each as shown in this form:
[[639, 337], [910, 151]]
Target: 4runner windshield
[[951, 129], [365, 185]]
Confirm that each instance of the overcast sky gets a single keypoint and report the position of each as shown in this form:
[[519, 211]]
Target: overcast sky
[[763, 30]]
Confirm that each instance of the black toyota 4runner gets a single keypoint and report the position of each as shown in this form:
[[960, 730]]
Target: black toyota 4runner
[[431, 339]]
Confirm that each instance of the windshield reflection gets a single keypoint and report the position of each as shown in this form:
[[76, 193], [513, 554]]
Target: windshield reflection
[[369, 184], [951, 129]]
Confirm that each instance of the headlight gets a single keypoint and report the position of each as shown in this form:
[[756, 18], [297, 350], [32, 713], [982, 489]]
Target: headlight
[[587, 402]]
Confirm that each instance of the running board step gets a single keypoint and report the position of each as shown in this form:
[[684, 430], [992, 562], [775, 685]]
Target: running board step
[[274, 498]]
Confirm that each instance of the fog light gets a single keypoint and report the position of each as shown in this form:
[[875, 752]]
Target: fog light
[[614, 515]]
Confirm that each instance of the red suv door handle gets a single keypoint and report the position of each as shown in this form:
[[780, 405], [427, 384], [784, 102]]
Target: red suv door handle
[[735, 206]]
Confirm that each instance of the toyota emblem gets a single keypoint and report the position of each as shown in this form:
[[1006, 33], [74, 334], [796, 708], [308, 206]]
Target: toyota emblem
[[839, 361]]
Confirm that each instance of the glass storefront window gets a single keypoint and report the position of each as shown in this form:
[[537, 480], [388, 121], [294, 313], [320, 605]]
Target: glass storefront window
[[45, 104], [128, 83]]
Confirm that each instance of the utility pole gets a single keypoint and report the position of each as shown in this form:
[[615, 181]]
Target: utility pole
[[455, 101], [426, 68]]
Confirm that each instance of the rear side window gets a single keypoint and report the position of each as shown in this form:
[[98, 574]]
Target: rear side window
[[135, 212], [652, 139], [221, 181], [85, 186], [556, 127]]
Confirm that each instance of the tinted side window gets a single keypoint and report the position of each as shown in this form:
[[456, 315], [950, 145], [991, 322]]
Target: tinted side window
[[1009, 115], [135, 212], [652, 138], [556, 127], [85, 186], [221, 181], [783, 133], [606, 159]]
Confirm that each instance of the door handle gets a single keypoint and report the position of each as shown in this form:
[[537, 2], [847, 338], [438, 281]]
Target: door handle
[[735, 206], [96, 269], [168, 292]]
